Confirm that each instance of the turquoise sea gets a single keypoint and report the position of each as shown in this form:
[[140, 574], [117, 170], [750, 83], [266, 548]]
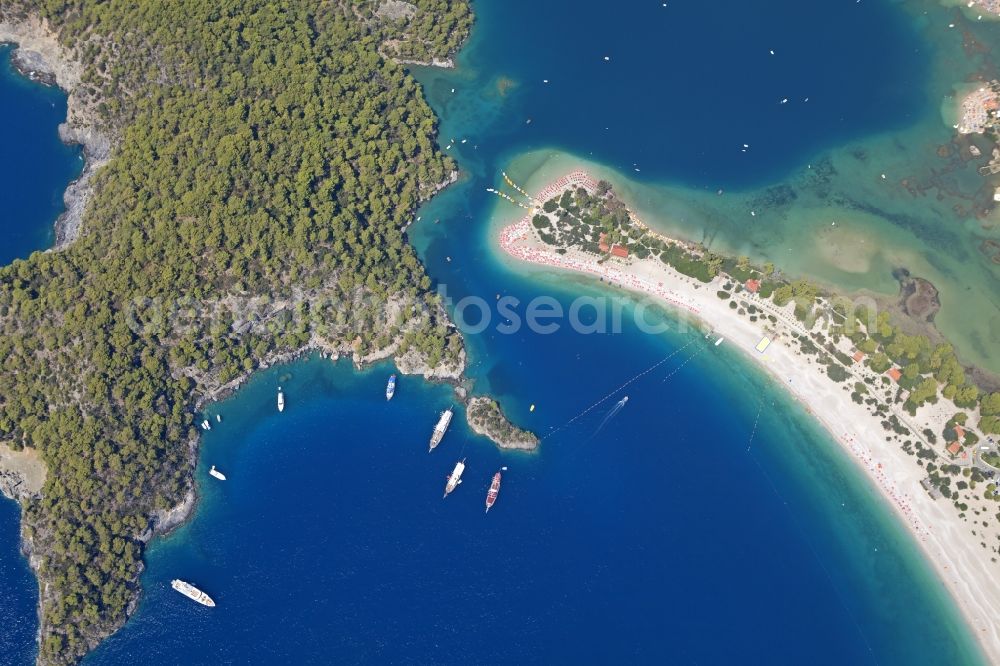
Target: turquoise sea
[[709, 521]]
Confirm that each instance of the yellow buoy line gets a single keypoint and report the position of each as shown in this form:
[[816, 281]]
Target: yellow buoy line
[[506, 196], [515, 186]]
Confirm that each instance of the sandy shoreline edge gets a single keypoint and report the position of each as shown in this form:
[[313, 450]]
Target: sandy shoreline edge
[[935, 525]]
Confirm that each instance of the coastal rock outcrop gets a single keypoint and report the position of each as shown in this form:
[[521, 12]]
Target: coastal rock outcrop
[[485, 418]]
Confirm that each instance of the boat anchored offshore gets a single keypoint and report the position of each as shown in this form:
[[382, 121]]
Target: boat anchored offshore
[[192, 592], [455, 478], [390, 387], [281, 400], [217, 474], [205, 425], [441, 428], [491, 496]]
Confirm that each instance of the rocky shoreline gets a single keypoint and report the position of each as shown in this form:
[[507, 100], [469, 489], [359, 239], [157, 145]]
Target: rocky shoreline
[[39, 56], [446, 63], [485, 418], [408, 363]]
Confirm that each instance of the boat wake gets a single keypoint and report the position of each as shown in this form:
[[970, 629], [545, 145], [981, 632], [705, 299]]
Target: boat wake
[[618, 390], [611, 414]]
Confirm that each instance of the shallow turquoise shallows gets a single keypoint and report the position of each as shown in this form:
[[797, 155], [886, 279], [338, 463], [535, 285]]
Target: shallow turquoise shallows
[[657, 538], [671, 532]]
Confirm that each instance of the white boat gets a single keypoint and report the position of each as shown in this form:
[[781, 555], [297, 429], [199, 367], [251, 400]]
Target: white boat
[[218, 418], [217, 474], [205, 425], [455, 478], [192, 592], [281, 400], [441, 428], [719, 341]]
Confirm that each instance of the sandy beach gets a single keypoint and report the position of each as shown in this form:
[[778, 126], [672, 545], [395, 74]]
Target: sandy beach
[[954, 546]]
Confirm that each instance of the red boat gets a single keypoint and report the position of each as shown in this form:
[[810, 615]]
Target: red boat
[[491, 496]]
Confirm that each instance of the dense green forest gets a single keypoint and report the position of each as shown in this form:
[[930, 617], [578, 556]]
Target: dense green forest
[[264, 153]]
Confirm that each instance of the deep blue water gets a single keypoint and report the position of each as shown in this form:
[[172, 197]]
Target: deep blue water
[[688, 84], [18, 622], [36, 166], [330, 541], [657, 539]]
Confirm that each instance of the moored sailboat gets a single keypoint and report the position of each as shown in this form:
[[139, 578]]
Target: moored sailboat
[[455, 478], [494, 491], [441, 428]]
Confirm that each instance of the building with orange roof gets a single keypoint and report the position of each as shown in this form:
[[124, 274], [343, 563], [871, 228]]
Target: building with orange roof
[[619, 251], [954, 448], [752, 285], [959, 431], [603, 242], [859, 356], [894, 374]]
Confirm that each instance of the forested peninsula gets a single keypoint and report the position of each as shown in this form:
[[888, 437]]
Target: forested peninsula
[[263, 159]]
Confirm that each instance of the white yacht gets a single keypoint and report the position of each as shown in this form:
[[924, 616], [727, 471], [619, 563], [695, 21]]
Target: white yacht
[[192, 592]]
